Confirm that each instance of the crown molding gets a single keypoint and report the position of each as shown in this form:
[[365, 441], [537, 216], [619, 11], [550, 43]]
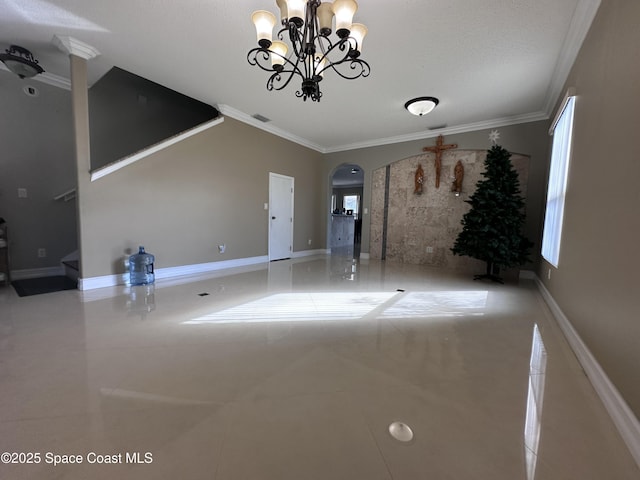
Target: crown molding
[[45, 77], [228, 111], [583, 16], [54, 80], [73, 46], [468, 127]]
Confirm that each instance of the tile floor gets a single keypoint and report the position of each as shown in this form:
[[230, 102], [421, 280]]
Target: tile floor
[[296, 371]]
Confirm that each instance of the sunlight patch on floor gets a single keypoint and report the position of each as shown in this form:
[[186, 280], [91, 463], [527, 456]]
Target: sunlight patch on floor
[[297, 307]]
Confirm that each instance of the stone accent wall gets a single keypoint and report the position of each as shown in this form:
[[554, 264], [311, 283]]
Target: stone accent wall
[[432, 219]]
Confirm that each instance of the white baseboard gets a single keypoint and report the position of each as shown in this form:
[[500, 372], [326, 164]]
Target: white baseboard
[[528, 275], [36, 273], [624, 419], [169, 272], [309, 253]]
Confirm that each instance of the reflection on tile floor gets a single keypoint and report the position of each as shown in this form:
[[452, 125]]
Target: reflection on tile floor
[[295, 370]]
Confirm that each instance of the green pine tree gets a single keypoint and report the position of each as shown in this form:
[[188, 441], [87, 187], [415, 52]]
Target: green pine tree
[[492, 229]]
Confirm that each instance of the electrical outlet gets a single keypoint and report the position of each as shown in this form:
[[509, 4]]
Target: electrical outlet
[[429, 249], [22, 193], [222, 248], [309, 242], [42, 252], [549, 274]]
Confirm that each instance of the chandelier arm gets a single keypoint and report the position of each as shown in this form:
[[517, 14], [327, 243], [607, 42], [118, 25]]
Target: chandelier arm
[[355, 62], [253, 60], [362, 68], [273, 82], [258, 55]]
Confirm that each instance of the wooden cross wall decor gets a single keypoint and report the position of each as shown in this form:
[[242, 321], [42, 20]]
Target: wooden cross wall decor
[[438, 149]]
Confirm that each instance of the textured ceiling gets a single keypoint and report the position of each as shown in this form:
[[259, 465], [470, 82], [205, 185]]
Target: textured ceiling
[[490, 62]]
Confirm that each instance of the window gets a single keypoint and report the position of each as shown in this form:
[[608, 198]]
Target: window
[[560, 155], [351, 202]]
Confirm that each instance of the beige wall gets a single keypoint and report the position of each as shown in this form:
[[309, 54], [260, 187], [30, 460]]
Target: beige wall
[[597, 283], [182, 202], [36, 137], [530, 139]]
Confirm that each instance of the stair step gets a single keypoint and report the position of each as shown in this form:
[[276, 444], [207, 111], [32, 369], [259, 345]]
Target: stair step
[[73, 264]]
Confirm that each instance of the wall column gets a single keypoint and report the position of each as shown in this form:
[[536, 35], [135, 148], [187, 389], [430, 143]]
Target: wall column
[[79, 53]]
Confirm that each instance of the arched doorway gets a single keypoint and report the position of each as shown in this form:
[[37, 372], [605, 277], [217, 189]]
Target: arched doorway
[[345, 221]]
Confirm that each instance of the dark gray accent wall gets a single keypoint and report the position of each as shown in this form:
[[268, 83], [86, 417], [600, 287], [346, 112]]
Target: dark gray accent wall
[[128, 113]]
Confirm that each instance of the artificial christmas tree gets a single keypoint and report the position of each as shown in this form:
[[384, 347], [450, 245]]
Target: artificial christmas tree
[[492, 229]]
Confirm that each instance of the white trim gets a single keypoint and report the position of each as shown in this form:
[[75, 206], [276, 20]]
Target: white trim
[[421, 135], [125, 161], [267, 127], [581, 21], [571, 92], [100, 282], [170, 272], [73, 46], [470, 127], [46, 77], [66, 196], [624, 419], [54, 80], [310, 253], [527, 275], [37, 273]]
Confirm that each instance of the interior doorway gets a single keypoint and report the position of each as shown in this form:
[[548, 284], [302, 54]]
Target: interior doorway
[[280, 216], [345, 225]]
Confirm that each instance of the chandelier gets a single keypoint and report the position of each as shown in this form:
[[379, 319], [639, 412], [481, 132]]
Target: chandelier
[[307, 26]]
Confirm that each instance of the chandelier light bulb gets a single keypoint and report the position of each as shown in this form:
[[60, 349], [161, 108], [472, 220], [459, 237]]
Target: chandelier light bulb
[[295, 11], [264, 22], [344, 10], [278, 54], [358, 32], [282, 5], [325, 18]]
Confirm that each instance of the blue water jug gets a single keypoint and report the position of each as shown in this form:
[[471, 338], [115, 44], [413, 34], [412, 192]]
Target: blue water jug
[[141, 268]]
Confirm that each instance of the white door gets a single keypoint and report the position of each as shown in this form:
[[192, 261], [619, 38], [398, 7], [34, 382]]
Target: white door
[[280, 216]]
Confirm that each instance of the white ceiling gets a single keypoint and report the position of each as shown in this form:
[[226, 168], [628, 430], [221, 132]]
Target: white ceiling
[[490, 62]]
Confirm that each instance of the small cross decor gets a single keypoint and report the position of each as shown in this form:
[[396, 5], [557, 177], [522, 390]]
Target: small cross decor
[[438, 149]]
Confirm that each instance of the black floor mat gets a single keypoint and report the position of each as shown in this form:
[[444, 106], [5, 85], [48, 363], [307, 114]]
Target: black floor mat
[[37, 286]]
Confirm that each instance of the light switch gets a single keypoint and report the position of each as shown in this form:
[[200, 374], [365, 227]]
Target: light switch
[[22, 193]]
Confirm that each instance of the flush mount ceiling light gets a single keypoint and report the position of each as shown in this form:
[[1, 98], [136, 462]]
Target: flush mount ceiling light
[[21, 62], [307, 26], [421, 105]]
